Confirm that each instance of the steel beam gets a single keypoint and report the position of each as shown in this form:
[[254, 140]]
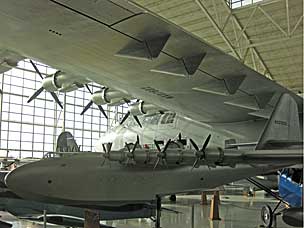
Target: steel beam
[[272, 21], [246, 37], [287, 16], [273, 41], [297, 24], [248, 22], [217, 28]]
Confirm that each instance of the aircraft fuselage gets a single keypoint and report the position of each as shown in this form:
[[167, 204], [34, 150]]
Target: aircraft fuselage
[[84, 180]]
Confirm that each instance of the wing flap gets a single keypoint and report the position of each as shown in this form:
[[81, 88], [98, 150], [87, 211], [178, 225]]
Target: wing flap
[[104, 11]]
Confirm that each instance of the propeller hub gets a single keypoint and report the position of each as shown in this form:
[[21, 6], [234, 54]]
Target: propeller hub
[[97, 98], [49, 85]]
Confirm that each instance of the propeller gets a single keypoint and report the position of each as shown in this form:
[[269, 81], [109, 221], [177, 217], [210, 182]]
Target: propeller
[[107, 149], [91, 103], [128, 114], [130, 153], [200, 153], [183, 141], [161, 155], [37, 92]]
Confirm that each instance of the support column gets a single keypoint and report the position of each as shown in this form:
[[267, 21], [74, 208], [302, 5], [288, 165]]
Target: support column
[[192, 216], [64, 113], [91, 219], [158, 211], [204, 200], [214, 209], [44, 219]]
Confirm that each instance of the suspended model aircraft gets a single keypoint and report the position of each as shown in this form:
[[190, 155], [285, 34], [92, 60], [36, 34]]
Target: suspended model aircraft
[[137, 54]]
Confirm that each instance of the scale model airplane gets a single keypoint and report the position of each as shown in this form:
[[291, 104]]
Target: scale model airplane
[[135, 54]]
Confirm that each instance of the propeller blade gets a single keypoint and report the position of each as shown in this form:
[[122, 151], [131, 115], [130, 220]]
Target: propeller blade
[[157, 146], [109, 146], [206, 143], [104, 148], [180, 137], [164, 161], [134, 147], [124, 118], [102, 111], [195, 164], [167, 145], [36, 94], [36, 69], [137, 121], [127, 145], [56, 99], [86, 107], [137, 138], [88, 88], [156, 164], [194, 145]]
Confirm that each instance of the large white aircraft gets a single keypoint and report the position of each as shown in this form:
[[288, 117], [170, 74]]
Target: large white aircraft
[[136, 54]]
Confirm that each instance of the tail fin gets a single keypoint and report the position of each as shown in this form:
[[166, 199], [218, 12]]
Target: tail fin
[[283, 127], [66, 143]]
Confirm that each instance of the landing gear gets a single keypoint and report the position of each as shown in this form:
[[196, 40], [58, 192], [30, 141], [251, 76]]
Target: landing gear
[[267, 216], [172, 198]]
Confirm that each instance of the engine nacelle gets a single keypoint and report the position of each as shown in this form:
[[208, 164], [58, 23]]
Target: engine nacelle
[[108, 96], [142, 108], [59, 82]]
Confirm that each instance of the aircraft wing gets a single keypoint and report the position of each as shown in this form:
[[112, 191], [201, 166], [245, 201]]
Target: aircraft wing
[[124, 47]]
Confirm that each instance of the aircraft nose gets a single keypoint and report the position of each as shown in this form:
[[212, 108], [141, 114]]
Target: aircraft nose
[[22, 181], [15, 179]]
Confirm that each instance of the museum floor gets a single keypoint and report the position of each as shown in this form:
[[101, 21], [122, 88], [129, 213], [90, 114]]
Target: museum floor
[[236, 211]]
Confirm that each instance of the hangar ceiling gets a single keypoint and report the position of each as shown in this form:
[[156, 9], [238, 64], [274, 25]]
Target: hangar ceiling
[[266, 35]]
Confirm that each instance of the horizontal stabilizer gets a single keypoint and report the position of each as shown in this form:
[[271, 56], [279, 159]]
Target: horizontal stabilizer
[[275, 157], [263, 113], [283, 125], [284, 144], [231, 145]]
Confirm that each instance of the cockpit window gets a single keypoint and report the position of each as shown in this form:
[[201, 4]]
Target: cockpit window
[[168, 118]]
